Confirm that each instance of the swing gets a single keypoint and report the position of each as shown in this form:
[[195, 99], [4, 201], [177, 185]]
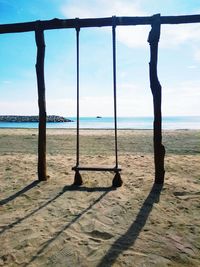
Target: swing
[[117, 181]]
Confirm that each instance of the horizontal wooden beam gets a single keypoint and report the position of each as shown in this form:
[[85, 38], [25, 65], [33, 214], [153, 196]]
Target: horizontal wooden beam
[[93, 22]]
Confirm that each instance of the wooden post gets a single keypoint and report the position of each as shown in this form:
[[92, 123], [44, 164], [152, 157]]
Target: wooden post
[[159, 149], [39, 37]]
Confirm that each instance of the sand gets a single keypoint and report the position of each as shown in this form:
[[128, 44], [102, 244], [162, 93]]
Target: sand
[[55, 224]]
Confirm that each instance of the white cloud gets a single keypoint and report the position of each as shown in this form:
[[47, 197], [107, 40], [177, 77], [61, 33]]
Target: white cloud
[[182, 99], [61, 106], [172, 36], [19, 107], [197, 54], [133, 36], [130, 36], [101, 8], [132, 100], [128, 105], [7, 82], [192, 67]]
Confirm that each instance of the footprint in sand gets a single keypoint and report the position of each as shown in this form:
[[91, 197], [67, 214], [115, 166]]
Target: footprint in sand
[[100, 235], [186, 195]]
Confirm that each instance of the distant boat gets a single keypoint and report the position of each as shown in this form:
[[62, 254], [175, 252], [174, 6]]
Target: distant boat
[[98, 117]]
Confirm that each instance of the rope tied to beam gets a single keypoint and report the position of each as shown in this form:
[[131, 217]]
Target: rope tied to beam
[[77, 24]]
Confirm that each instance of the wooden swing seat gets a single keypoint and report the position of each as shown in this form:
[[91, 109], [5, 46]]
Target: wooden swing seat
[[95, 168]]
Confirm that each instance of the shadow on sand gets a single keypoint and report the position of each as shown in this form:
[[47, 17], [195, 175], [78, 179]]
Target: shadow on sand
[[65, 189], [105, 191], [19, 193], [128, 239], [121, 244]]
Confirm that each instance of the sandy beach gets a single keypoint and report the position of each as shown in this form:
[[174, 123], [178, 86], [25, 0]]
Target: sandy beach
[[52, 223]]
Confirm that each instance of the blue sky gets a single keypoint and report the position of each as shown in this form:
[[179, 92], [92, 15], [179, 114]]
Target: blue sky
[[178, 67]]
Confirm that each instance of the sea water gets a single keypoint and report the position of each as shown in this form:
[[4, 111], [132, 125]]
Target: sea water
[[180, 122]]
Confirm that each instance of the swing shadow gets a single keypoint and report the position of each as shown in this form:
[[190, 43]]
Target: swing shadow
[[128, 239], [88, 189], [65, 189], [105, 191], [19, 193]]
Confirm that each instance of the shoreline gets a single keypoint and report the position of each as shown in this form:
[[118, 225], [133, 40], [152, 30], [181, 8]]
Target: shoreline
[[106, 123], [97, 129]]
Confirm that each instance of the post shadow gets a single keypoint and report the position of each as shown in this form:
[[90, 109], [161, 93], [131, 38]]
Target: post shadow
[[128, 239], [19, 193]]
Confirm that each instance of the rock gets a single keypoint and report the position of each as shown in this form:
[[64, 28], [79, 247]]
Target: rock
[[13, 118]]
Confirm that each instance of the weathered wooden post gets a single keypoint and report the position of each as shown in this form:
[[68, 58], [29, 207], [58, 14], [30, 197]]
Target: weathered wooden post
[[39, 37], [159, 149]]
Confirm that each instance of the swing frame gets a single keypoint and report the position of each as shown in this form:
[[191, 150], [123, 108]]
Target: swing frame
[[117, 181], [155, 21]]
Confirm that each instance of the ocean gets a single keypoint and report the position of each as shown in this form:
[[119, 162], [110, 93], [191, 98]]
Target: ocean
[[169, 123]]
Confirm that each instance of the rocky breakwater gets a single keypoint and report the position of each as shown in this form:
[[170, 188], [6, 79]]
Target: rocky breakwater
[[50, 118]]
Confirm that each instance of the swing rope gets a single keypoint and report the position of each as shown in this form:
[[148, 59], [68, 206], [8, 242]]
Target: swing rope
[[114, 85], [117, 181], [77, 91], [77, 167]]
